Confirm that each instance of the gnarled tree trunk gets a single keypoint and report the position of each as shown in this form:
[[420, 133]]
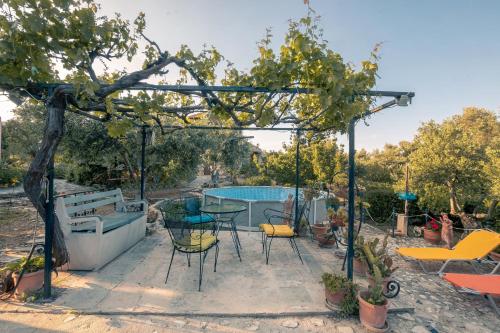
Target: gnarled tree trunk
[[33, 181], [454, 207]]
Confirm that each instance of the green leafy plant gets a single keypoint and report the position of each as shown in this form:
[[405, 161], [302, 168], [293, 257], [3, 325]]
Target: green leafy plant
[[350, 304], [336, 283], [35, 264]]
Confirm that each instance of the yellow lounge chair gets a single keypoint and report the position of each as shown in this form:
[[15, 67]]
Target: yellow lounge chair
[[473, 248]]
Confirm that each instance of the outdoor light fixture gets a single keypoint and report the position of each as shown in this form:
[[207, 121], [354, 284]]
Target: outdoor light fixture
[[403, 100]]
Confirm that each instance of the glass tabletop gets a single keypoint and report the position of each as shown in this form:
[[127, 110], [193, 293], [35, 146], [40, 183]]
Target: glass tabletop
[[224, 208]]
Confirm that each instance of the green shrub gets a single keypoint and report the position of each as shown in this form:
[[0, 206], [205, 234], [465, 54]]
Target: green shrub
[[382, 202], [261, 180], [35, 264], [10, 175]]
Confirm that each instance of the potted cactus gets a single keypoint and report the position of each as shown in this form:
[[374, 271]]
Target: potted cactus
[[381, 260], [373, 305]]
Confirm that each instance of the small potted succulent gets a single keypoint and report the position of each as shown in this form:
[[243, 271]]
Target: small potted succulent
[[32, 278], [432, 231], [340, 292]]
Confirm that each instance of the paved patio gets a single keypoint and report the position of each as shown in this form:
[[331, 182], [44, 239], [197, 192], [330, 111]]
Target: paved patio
[[135, 281], [129, 294]]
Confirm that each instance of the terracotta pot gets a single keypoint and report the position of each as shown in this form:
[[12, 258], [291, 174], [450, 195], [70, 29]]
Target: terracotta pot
[[495, 256], [335, 297], [319, 229], [30, 282], [372, 315], [385, 281], [338, 222], [432, 236], [360, 267], [325, 241]]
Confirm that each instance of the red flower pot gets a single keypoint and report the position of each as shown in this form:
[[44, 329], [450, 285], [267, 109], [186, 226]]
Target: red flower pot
[[30, 282], [326, 241], [432, 236], [319, 229], [372, 316], [335, 297], [360, 267]]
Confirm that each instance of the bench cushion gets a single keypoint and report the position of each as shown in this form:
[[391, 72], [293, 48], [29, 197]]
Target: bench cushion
[[110, 222]]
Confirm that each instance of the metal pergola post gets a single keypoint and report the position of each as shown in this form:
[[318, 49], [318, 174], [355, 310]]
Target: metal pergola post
[[297, 181], [49, 234], [350, 204], [143, 158]]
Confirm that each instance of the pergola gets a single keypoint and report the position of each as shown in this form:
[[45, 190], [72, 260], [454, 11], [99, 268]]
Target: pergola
[[398, 98]]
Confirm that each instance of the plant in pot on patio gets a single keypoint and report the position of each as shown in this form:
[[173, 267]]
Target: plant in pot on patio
[[32, 278], [373, 305], [432, 231], [378, 261], [340, 292]]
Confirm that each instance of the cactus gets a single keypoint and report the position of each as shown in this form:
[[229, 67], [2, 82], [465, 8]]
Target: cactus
[[380, 266]]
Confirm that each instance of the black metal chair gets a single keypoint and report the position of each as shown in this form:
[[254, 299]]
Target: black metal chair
[[187, 237], [272, 230]]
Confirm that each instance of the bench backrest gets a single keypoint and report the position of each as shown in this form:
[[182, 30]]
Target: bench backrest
[[85, 202]]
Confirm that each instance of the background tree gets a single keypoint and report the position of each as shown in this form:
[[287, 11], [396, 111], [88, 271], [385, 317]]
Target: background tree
[[448, 160]]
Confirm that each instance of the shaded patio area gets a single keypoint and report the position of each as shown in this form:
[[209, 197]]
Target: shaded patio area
[[135, 281]]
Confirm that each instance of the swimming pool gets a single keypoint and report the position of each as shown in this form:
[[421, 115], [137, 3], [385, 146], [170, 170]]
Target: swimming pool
[[257, 198]]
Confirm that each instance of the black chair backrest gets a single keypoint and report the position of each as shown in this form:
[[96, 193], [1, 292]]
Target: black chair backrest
[[192, 205], [173, 213]]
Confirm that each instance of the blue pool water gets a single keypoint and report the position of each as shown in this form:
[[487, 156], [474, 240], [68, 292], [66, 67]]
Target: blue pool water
[[253, 193]]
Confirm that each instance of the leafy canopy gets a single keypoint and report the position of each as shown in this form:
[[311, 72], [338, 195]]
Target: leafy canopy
[[60, 41]]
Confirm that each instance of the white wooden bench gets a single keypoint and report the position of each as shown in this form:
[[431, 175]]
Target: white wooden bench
[[94, 240]]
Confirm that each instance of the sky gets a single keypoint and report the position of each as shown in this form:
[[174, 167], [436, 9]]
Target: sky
[[447, 52]]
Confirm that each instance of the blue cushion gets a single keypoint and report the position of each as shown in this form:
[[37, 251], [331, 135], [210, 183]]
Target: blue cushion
[[117, 220], [194, 219]]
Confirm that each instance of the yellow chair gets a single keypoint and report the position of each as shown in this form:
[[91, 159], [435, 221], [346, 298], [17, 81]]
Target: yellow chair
[[272, 230], [473, 248]]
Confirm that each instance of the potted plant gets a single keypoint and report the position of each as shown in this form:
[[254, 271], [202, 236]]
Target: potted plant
[[339, 219], [373, 308], [373, 305], [32, 278], [326, 240], [381, 262], [340, 292], [432, 231], [320, 229]]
